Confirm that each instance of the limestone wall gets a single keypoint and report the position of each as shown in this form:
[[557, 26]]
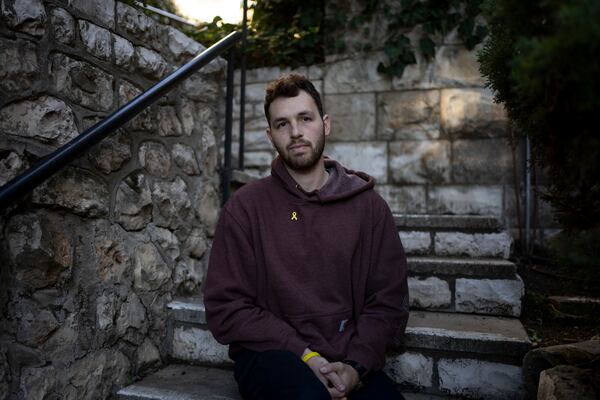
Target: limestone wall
[[90, 259], [434, 140]]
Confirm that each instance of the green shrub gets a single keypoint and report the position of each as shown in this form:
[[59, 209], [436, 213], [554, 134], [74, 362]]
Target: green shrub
[[542, 61]]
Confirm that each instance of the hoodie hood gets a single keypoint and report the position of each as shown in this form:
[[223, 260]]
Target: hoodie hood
[[342, 183]]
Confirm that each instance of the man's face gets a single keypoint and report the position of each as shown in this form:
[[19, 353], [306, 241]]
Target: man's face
[[297, 130]]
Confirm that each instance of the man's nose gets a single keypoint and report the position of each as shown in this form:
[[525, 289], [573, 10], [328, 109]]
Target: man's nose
[[295, 131]]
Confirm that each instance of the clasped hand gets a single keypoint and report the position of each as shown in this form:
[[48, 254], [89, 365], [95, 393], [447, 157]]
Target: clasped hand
[[339, 378]]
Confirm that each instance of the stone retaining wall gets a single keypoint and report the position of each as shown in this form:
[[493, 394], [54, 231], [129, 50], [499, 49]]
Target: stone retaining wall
[[434, 140], [90, 259]]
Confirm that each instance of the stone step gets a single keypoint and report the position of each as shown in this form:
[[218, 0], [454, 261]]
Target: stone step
[[455, 332], [454, 223], [443, 353], [453, 235], [479, 286], [462, 355], [187, 382]]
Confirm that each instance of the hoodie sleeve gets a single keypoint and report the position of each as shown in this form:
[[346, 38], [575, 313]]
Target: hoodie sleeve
[[230, 292], [385, 311]]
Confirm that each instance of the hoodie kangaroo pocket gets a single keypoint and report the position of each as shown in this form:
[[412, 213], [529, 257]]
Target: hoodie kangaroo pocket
[[329, 333]]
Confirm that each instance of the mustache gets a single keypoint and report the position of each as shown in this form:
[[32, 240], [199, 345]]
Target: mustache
[[297, 142]]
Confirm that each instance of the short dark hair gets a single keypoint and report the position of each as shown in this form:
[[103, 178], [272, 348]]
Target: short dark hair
[[290, 86]]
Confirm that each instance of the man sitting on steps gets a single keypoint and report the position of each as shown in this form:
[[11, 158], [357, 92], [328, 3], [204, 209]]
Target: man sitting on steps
[[307, 276]]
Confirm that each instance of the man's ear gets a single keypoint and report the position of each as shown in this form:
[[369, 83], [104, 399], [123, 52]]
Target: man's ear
[[326, 124], [268, 131]]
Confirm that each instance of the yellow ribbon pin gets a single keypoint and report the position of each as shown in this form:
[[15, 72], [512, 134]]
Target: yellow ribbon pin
[[294, 216]]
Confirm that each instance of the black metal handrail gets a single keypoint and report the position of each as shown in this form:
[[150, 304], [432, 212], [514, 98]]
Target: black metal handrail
[[59, 158]]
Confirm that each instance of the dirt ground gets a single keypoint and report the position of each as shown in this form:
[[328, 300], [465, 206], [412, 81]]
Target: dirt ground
[[545, 326]]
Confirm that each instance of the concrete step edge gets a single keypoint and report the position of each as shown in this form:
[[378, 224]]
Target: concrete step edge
[[486, 223], [484, 267]]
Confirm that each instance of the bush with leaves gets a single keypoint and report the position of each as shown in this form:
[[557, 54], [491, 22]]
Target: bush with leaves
[[541, 59]]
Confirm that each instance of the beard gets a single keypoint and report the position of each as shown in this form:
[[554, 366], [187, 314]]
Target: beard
[[306, 161]]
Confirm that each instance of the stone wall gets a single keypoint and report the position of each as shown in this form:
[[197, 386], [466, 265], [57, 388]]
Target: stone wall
[[90, 259], [434, 140]]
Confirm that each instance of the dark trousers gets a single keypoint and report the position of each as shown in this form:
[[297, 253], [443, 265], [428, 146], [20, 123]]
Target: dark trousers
[[282, 375]]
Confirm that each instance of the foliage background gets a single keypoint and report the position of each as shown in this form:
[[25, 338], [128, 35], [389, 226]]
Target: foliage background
[[542, 61]]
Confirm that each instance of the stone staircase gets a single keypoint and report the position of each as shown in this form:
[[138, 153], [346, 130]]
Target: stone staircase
[[463, 338]]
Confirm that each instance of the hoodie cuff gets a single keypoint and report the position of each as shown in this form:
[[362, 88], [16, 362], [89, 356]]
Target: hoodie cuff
[[296, 345], [365, 358]]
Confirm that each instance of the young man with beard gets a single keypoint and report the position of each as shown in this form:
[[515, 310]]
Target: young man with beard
[[307, 276]]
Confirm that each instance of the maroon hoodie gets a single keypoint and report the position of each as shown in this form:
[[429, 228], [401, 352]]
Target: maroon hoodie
[[290, 269]]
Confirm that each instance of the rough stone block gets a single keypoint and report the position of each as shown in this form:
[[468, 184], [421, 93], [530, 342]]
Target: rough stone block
[[403, 199], [471, 113], [198, 345], [124, 51], [166, 241], [369, 157], [40, 248], [146, 120], [422, 161], [11, 165], [150, 63], [23, 68], [195, 245], [133, 205], [457, 66], [352, 116], [46, 119], [102, 11], [168, 122], [481, 161], [96, 40], [150, 271], [111, 153], [479, 200], [409, 115], [473, 244], [74, 189], [181, 46], [147, 356], [356, 75], [155, 159], [315, 72], [411, 369], [489, 296], [188, 275], [25, 16], [63, 26], [416, 242], [138, 25], [96, 373], [430, 292], [173, 206], [207, 208], [131, 315], [185, 158], [480, 379], [82, 83], [569, 382], [199, 88]]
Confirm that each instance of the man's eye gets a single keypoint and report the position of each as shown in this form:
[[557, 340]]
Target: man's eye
[[281, 124], [307, 119]]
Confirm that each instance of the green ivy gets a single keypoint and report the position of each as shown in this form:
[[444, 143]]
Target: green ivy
[[295, 33]]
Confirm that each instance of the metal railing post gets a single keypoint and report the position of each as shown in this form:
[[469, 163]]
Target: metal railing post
[[243, 86], [226, 177]]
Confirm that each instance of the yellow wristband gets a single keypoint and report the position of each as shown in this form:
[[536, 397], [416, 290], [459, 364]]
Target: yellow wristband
[[310, 355]]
